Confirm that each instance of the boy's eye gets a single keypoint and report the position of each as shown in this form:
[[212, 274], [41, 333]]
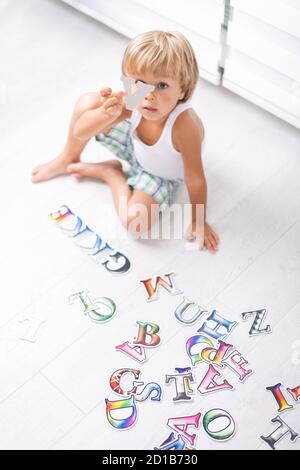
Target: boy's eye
[[162, 86]]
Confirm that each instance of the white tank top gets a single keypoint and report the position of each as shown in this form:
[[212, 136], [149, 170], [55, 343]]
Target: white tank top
[[160, 159]]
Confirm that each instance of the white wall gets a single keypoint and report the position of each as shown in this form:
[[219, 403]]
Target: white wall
[[259, 51]]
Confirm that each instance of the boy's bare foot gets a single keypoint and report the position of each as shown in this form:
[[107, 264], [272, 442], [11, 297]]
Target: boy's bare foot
[[94, 170], [46, 171]]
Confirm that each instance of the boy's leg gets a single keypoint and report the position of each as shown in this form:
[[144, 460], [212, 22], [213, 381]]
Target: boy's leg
[[142, 212], [73, 147], [131, 205]]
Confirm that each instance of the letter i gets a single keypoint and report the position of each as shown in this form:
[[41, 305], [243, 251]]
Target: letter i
[[279, 397]]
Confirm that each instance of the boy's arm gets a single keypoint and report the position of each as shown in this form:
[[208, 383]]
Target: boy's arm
[[101, 116], [189, 136]]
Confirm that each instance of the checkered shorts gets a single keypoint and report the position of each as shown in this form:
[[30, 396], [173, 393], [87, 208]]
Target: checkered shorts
[[118, 141]]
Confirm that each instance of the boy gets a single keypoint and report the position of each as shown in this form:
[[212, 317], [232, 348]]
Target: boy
[[161, 139]]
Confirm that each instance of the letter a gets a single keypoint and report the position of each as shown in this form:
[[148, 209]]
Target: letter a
[[209, 384], [180, 425], [137, 352]]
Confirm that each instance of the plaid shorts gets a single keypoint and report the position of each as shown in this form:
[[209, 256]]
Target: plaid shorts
[[118, 140]]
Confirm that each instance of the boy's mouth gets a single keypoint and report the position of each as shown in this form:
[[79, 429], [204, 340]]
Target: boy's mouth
[[149, 109]]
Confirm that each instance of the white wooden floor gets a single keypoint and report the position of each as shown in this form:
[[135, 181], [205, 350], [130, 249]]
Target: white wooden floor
[[52, 391]]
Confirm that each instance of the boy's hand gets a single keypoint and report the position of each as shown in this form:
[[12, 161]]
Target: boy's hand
[[104, 94], [112, 103], [206, 238]]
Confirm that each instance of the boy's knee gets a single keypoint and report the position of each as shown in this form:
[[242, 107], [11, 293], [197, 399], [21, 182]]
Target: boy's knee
[[87, 101], [138, 218], [134, 225]]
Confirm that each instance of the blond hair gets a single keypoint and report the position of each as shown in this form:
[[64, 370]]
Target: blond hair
[[165, 53]]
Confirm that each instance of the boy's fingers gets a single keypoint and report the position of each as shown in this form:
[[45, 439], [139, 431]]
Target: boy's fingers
[[110, 111], [114, 110], [111, 107], [105, 91], [213, 245], [208, 244], [119, 94], [111, 101], [216, 236]]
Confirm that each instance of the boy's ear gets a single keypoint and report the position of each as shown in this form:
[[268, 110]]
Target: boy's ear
[[182, 94]]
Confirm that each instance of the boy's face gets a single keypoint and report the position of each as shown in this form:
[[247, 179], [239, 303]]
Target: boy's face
[[157, 104]]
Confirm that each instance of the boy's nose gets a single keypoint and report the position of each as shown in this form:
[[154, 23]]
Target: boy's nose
[[150, 96]]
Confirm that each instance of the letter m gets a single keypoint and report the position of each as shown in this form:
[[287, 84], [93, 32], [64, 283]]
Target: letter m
[[169, 286]]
